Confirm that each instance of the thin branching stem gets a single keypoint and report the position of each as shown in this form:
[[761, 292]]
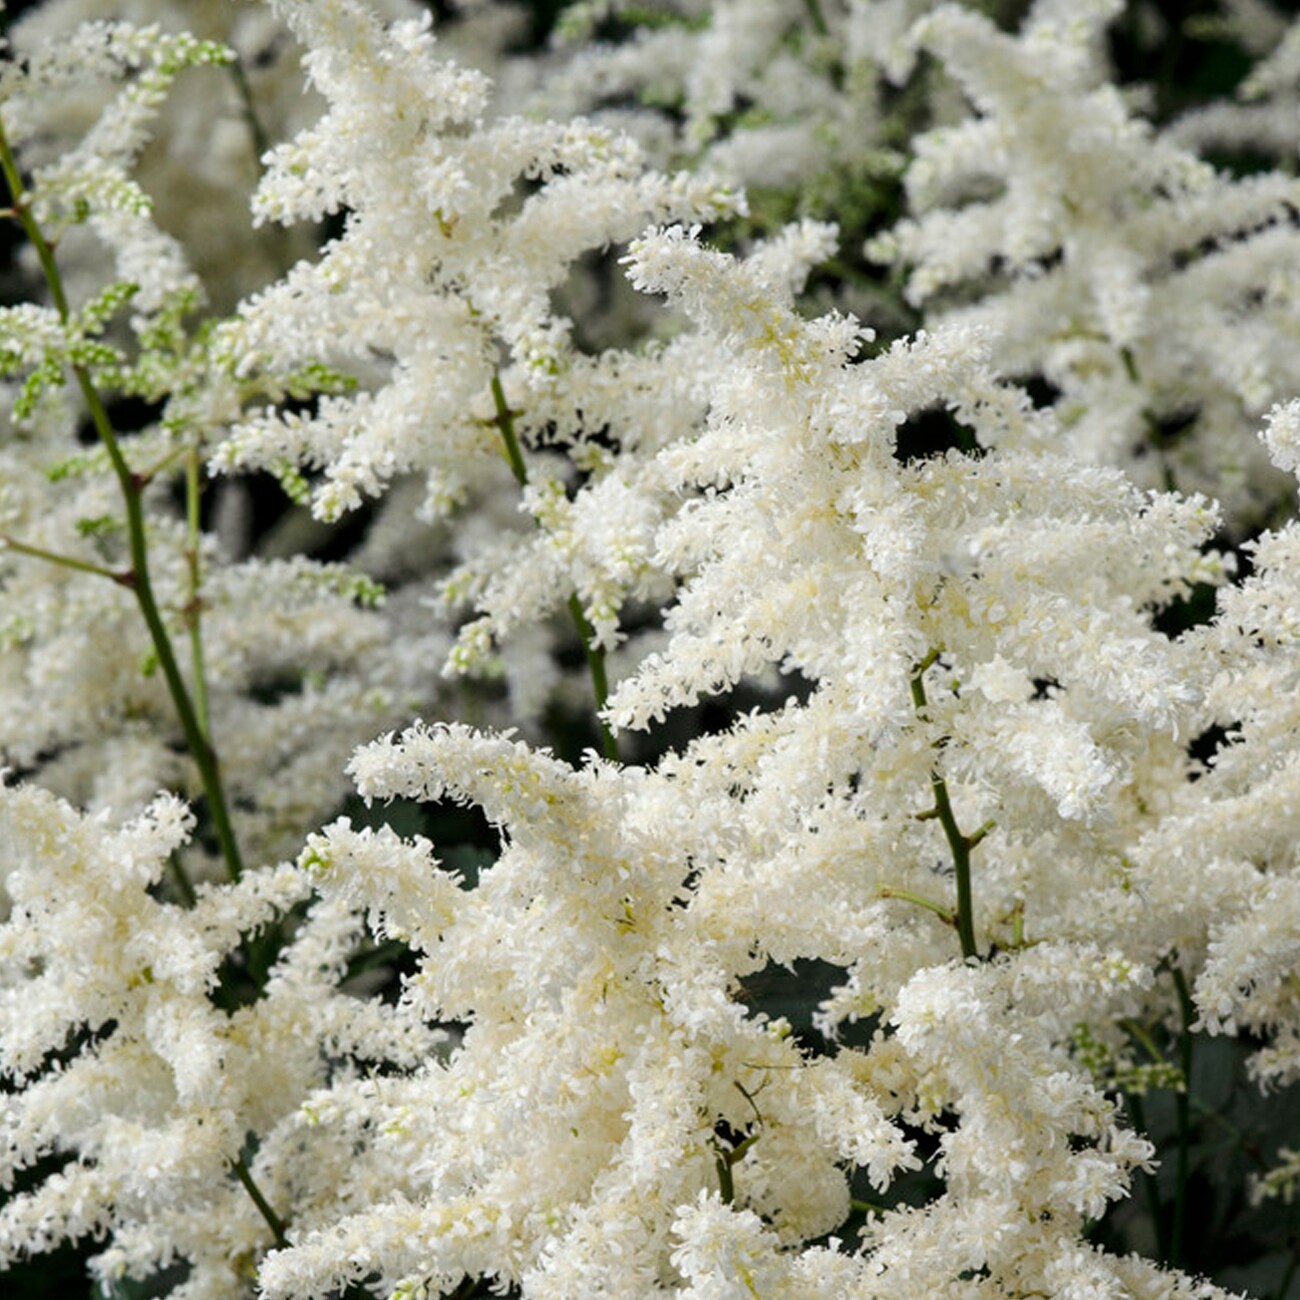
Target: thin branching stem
[[868, 1208], [941, 910], [256, 129], [277, 235], [279, 1228], [132, 487], [959, 843], [122, 577], [194, 608], [1182, 1112], [193, 722], [1141, 1036]]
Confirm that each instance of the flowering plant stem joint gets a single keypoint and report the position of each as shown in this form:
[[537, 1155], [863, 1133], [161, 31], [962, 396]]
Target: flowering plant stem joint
[[132, 487], [960, 843], [273, 1220]]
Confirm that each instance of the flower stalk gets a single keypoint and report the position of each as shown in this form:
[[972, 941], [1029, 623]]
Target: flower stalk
[[959, 843], [132, 488], [273, 1221], [194, 606], [122, 577]]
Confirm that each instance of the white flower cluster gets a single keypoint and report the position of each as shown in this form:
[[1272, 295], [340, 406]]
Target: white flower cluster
[[125, 1054], [1150, 291], [82, 690], [900, 671]]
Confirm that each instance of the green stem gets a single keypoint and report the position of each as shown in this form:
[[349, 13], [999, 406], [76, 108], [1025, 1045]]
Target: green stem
[[148, 475], [726, 1181], [183, 882], [958, 843], [122, 578], [132, 487], [1182, 1106], [1141, 1036], [194, 609], [944, 913], [273, 1220], [505, 421], [261, 141], [816, 17], [599, 678], [21, 210], [726, 1158]]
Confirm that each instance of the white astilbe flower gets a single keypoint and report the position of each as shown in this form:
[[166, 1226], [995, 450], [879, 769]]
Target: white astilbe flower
[[1281, 435], [285, 643], [944, 751], [671, 1139], [1103, 257], [203, 162], [795, 102], [815, 549], [437, 267], [91, 179], [1062, 1153], [867, 529], [440, 294], [84, 698], [116, 1055], [1245, 816], [1281, 1181], [600, 543], [596, 1007], [1260, 121]]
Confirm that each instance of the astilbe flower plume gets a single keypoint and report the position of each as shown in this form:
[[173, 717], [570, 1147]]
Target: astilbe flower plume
[[1103, 256], [959, 765], [595, 964]]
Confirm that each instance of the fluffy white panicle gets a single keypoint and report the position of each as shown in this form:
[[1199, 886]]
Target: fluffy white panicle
[[116, 1053], [205, 140], [672, 1138], [803, 574], [1260, 120], [443, 295], [932, 696], [280, 639], [782, 98], [437, 268], [603, 1056], [1245, 818], [1103, 257], [90, 179], [283, 641], [1281, 435]]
